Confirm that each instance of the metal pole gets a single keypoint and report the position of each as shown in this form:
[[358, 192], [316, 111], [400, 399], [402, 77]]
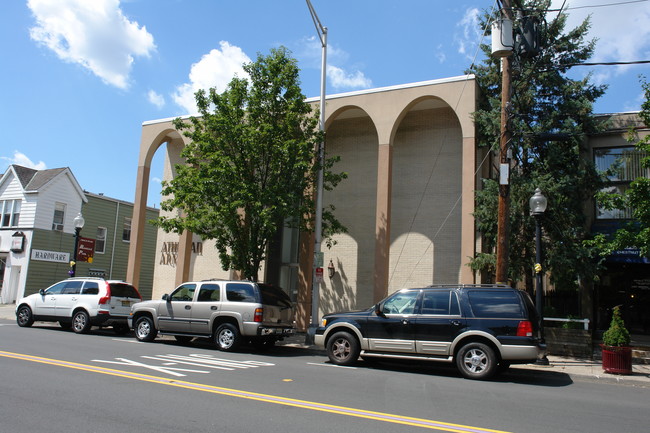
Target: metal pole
[[73, 271], [318, 224], [539, 289], [504, 177]]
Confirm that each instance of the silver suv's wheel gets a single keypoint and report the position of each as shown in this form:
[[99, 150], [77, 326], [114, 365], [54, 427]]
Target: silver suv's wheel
[[227, 337], [145, 329], [476, 361], [80, 322], [24, 316], [343, 348]]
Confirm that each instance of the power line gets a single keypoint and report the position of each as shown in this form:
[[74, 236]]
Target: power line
[[635, 62], [599, 6]]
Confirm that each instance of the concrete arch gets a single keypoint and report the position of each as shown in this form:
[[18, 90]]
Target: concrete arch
[[154, 135], [425, 216]]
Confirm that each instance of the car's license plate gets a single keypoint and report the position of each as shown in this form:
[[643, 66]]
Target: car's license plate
[[126, 303]]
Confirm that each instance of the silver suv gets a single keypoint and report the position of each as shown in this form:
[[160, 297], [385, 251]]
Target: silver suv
[[229, 312], [80, 303]]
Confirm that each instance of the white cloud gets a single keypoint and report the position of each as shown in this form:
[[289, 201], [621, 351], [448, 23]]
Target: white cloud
[[469, 33], [623, 32], [341, 79], [215, 69], [94, 34], [156, 99], [20, 158]]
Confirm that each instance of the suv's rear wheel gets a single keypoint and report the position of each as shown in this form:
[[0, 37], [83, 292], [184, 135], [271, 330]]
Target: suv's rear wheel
[[80, 322], [343, 348], [145, 329], [227, 337], [24, 316], [476, 361]]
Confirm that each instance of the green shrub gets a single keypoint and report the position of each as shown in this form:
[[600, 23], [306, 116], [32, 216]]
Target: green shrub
[[617, 334]]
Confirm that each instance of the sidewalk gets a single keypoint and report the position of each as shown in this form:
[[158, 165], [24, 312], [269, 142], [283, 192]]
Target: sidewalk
[[575, 368]]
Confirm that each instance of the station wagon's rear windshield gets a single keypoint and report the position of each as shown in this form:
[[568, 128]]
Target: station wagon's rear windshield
[[122, 290], [495, 303], [272, 295]]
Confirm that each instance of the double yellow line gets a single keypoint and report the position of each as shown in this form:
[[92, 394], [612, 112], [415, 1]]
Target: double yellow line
[[339, 410]]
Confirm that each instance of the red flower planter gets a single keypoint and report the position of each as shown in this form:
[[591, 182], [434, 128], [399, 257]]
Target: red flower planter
[[617, 359]]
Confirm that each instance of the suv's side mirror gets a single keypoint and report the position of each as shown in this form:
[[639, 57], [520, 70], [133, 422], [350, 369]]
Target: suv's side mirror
[[41, 292], [166, 297], [378, 310]]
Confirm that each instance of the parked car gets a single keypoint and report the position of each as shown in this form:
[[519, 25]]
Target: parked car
[[229, 312], [80, 303], [480, 328]]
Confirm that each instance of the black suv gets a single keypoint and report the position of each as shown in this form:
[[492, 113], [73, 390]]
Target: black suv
[[482, 328]]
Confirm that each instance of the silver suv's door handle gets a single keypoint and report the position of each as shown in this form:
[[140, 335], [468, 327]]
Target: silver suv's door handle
[[188, 307], [214, 307]]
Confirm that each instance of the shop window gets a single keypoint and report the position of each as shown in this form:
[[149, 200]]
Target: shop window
[[126, 232], [59, 217], [100, 240], [620, 165], [10, 213]]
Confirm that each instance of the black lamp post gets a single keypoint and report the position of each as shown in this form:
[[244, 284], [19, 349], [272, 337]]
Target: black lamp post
[[538, 205], [79, 222]]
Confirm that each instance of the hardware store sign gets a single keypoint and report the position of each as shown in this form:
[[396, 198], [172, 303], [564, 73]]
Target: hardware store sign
[[50, 256]]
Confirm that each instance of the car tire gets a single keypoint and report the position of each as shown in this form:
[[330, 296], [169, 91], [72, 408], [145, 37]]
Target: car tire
[[476, 361], [145, 329], [24, 316], [80, 322], [343, 348], [227, 337], [183, 339]]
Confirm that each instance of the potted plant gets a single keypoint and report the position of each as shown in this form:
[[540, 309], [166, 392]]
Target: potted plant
[[617, 353]]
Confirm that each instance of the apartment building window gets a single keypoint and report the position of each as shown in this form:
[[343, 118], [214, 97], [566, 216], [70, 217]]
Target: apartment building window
[[59, 217], [126, 233], [10, 213], [620, 165], [100, 240]]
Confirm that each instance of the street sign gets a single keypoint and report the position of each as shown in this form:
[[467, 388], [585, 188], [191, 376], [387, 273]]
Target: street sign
[[319, 275], [85, 250]]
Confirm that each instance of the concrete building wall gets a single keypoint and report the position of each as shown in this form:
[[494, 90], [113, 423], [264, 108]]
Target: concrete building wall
[[355, 141]]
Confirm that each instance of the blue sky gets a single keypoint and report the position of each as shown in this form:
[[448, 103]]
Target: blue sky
[[80, 76]]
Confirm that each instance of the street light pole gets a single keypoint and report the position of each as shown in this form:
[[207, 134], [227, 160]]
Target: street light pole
[[538, 205], [318, 223], [79, 222]]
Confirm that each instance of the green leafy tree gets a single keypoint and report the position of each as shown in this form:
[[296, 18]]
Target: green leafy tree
[[250, 166], [544, 100], [636, 233]]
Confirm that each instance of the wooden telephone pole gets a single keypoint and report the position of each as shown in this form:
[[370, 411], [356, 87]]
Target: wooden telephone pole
[[504, 164]]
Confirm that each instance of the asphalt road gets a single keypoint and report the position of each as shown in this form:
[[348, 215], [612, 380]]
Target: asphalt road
[[54, 380]]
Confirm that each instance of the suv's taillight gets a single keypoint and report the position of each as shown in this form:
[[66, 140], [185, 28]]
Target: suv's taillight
[[106, 299], [259, 313], [525, 329]]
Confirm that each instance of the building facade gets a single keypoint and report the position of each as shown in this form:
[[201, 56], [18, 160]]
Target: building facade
[[413, 166], [411, 157], [38, 208]]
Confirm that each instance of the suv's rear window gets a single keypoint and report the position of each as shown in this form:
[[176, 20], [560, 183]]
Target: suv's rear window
[[122, 290], [495, 303], [241, 292], [272, 295]]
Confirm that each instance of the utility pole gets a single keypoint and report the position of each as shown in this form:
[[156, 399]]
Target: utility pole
[[504, 163]]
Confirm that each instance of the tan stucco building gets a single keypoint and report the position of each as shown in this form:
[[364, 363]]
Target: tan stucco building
[[411, 157]]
